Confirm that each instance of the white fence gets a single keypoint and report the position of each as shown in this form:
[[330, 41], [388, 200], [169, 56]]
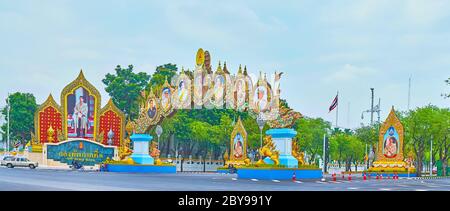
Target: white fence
[[196, 165]]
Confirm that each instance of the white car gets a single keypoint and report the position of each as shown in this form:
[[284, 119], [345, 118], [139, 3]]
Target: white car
[[11, 162]]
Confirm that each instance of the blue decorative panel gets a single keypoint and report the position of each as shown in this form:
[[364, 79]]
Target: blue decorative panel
[[84, 152]]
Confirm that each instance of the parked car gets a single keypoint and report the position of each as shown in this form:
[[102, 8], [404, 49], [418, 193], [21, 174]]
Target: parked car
[[12, 162]]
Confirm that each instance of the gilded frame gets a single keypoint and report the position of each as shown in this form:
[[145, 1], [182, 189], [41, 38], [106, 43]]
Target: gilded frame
[[391, 120], [81, 81], [238, 128]]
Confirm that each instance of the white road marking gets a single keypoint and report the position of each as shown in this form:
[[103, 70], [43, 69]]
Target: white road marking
[[234, 179], [386, 189], [298, 182], [352, 188], [421, 190], [254, 180], [276, 180]]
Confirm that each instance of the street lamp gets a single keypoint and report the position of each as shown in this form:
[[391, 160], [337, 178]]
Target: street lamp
[[8, 108], [159, 131], [261, 122], [431, 157]]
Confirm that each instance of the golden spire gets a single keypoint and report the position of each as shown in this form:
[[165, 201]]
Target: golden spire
[[225, 70], [245, 70], [219, 68], [81, 75], [240, 69]]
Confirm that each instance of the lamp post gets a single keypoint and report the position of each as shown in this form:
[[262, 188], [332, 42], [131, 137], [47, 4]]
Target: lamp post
[[158, 131], [431, 157], [327, 132], [261, 122], [7, 136]]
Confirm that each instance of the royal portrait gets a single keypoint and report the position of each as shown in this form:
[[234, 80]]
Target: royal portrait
[[151, 108], [165, 99], [390, 143], [238, 147], [240, 93], [260, 99], [80, 110], [219, 85]]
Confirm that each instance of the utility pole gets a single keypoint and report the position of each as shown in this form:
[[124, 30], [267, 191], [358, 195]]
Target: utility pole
[[409, 92], [348, 116], [378, 110], [324, 159], [371, 108]]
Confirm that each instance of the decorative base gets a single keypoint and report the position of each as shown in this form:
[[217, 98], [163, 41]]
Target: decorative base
[[142, 159], [287, 160], [141, 168], [390, 174], [278, 174]]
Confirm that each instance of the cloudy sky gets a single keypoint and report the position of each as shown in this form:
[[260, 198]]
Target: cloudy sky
[[321, 46]]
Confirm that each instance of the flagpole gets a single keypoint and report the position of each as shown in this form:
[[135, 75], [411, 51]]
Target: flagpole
[[337, 109]]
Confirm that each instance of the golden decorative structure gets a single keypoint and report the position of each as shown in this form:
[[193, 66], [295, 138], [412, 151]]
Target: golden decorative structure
[[35, 145], [238, 147], [155, 153], [226, 155], [124, 147], [50, 102], [297, 154], [269, 150], [50, 134], [110, 106], [390, 139], [81, 81]]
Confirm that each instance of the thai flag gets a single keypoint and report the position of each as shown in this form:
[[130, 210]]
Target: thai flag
[[333, 104]]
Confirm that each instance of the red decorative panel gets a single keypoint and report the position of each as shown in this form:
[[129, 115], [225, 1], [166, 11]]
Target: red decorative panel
[[110, 120], [50, 116]]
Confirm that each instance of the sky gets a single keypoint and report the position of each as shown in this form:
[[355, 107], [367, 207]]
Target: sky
[[321, 46]]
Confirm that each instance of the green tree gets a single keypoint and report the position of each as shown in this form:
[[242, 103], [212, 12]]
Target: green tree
[[420, 127], [162, 72], [125, 87], [23, 106], [310, 132], [442, 136]]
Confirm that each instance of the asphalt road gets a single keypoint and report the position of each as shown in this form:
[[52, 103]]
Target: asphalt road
[[21, 179]]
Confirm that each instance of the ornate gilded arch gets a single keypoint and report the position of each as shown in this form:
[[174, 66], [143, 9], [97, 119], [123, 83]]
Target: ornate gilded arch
[[238, 129], [391, 121], [81, 81], [119, 128], [51, 119]]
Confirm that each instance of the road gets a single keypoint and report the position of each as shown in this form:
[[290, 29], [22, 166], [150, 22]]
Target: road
[[18, 179]]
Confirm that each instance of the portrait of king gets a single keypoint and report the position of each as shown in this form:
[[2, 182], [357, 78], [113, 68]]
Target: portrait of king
[[80, 108], [390, 143]]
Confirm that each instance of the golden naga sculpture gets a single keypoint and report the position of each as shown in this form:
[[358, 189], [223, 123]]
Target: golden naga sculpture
[[297, 154], [124, 146], [268, 150], [60, 135], [100, 137], [124, 151]]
